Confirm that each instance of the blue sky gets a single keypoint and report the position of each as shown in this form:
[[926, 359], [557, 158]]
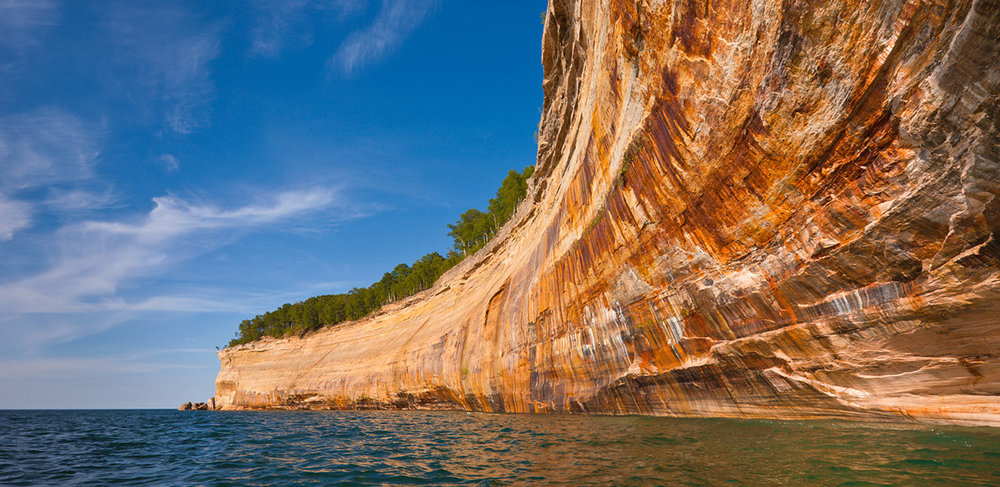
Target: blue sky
[[168, 169]]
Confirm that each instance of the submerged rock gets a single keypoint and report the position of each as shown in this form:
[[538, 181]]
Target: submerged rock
[[739, 209]]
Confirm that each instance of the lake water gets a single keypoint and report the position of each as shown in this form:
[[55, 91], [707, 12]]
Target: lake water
[[152, 447]]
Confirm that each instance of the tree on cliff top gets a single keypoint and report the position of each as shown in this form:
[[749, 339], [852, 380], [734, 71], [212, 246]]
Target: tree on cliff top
[[471, 232], [475, 228]]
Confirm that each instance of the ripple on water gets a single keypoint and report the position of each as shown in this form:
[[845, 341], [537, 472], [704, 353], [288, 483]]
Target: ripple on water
[[446, 448]]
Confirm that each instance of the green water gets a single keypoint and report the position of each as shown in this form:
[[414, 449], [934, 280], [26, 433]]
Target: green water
[[451, 448]]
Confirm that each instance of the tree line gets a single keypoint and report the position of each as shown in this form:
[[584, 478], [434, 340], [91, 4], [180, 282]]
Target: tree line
[[473, 230]]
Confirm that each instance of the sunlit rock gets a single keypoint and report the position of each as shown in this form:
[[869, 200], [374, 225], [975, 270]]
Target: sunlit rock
[[762, 208]]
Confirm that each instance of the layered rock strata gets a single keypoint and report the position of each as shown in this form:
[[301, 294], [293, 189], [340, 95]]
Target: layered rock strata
[[740, 208]]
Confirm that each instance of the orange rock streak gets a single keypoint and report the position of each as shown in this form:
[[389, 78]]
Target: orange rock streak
[[767, 208]]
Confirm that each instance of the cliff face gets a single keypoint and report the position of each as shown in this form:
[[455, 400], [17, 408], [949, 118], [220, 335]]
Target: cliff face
[[741, 208]]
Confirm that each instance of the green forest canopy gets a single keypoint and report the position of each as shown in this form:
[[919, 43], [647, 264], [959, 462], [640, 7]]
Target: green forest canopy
[[473, 230]]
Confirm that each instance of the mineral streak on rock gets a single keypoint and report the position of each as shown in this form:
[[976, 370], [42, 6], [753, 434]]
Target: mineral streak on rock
[[741, 208]]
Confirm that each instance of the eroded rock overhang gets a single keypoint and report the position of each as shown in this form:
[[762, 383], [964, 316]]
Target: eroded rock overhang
[[754, 208]]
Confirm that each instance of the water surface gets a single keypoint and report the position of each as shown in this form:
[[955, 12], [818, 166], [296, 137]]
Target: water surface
[[153, 447]]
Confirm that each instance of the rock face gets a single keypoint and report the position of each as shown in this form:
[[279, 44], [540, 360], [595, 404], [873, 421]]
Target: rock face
[[198, 406], [741, 208]]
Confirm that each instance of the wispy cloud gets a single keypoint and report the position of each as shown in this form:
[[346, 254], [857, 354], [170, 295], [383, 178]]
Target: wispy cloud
[[97, 256], [280, 22], [47, 147], [21, 21], [75, 199], [44, 146], [172, 217], [195, 304], [30, 333], [232, 301], [133, 364], [396, 20], [284, 22], [169, 162], [173, 51], [94, 259], [14, 216]]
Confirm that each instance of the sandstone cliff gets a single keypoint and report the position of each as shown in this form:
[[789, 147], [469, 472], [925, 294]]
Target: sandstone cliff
[[741, 208]]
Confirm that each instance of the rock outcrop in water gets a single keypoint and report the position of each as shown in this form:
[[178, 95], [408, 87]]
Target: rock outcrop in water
[[741, 208], [198, 406]]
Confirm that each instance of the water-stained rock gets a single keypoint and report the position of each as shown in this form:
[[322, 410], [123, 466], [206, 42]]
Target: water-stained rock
[[763, 208]]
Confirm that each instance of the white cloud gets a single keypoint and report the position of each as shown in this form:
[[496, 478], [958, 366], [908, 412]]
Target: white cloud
[[280, 22], [43, 147], [32, 332], [14, 216], [231, 301], [395, 20], [192, 304], [274, 23], [169, 162], [95, 258], [173, 51], [21, 20], [75, 200], [172, 217], [284, 22], [38, 368]]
